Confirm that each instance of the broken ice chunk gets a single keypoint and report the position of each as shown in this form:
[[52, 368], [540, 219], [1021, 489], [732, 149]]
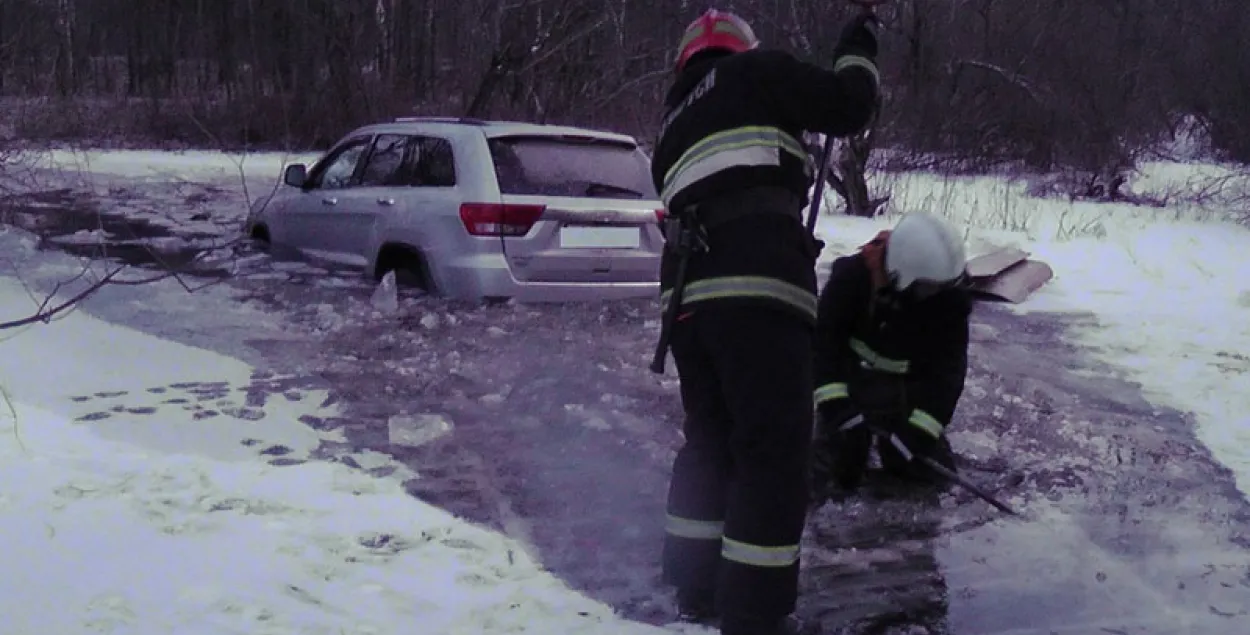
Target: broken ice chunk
[[417, 430], [386, 295]]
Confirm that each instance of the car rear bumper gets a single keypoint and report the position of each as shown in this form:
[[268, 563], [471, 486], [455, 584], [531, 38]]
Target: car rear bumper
[[489, 277]]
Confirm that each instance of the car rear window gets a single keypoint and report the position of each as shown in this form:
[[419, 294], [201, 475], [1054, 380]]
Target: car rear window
[[562, 166]]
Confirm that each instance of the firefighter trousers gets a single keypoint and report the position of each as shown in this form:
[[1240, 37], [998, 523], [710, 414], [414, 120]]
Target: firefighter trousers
[[737, 502]]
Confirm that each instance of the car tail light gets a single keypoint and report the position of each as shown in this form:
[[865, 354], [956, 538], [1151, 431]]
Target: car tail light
[[494, 219], [660, 215]]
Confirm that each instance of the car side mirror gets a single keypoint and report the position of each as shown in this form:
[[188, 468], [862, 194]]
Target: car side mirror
[[295, 175]]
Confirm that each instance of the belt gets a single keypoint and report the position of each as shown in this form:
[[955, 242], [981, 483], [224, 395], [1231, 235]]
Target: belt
[[723, 208]]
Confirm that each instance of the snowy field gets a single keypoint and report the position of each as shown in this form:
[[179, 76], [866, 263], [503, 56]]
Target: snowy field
[[143, 519]]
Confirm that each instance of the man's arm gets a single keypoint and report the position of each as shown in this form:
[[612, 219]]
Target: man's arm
[[838, 102], [843, 296], [934, 392]]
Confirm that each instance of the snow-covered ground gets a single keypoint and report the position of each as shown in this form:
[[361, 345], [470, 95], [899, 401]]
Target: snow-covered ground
[[111, 500], [1168, 285], [172, 498]]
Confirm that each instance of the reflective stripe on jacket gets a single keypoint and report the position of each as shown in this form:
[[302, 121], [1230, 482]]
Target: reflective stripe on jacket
[[736, 147]]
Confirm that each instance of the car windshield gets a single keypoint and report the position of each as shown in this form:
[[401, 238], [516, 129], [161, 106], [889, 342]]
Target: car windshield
[[565, 166]]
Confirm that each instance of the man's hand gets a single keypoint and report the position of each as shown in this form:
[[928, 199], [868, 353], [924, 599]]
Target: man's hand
[[859, 38], [839, 451], [910, 440]]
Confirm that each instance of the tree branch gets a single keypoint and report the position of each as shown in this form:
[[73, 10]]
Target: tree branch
[[1014, 79], [45, 314]]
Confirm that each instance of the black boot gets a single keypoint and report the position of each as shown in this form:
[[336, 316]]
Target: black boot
[[788, 625], [838, 463], [698, 607]]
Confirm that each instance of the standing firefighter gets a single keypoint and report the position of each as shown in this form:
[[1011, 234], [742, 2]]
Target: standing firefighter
[[891, 354], [740, 292]]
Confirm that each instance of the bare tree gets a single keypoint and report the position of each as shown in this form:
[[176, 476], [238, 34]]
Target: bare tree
[[1069, 86]]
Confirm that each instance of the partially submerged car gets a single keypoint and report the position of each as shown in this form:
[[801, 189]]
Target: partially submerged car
[[474, 209]]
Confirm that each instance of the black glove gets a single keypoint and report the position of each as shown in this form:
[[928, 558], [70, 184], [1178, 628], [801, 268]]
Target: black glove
[[915, 442], [859, 37], [839, 450], [883, 399]]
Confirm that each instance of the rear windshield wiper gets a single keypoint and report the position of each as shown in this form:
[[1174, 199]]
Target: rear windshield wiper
[[595, 187]]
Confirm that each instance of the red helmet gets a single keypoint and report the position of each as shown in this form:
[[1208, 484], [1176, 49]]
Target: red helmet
[[715, 30]]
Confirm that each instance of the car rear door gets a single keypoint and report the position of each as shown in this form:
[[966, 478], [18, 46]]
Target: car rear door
[[378, 197], [587, 207]]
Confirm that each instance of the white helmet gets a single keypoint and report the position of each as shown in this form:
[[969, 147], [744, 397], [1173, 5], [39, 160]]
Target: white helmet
[[924, 248]]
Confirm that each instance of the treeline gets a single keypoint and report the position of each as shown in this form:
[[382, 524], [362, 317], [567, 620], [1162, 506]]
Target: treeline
[[1075, 83]]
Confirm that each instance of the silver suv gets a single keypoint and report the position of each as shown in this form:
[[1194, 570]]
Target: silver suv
[[475, 209]]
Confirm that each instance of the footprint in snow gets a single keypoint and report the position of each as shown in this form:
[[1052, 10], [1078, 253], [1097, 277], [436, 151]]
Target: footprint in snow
[[246, 414]]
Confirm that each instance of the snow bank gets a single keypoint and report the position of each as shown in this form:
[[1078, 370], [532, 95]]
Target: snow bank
[[144, 390], [113, 538], [1171, 293], [1174, 302], [188, 165], [175, 526]]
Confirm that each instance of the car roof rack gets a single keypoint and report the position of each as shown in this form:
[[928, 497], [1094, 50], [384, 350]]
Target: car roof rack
[[470, 121]]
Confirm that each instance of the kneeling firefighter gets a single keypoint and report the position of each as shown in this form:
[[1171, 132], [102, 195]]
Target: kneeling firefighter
[[891, 354], [739, 286]]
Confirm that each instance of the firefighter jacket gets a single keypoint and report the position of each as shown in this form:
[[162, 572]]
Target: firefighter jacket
[[867, 344], [729, 147]]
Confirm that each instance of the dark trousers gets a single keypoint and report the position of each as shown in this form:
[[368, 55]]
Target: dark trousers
[[738, 498]]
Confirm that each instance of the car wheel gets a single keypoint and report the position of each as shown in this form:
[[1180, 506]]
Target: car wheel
[[260, 237], [409, 266]]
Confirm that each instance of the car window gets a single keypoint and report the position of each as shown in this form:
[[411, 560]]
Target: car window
[[434, 162], [339, 169], [559, 166], [384, 165], [429, 163]]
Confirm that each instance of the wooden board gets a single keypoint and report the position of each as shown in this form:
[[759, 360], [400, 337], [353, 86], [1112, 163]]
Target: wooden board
[[992, 263], [1016, 283]]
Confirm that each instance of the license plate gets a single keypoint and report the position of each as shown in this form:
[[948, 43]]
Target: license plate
[[600, 237]]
